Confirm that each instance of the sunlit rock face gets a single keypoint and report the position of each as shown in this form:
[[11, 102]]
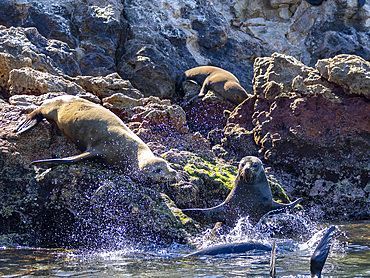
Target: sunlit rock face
[[313, 121], [151, 43]]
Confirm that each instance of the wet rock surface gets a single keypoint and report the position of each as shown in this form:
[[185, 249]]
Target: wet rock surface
[[307, 119]]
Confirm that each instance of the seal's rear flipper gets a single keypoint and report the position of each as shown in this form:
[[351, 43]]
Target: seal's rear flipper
[[321, 253], [31, 120], [66, 160]]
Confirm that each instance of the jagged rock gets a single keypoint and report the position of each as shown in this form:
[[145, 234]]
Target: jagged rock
[[92, 27], [25, 47], [274, 75], [348, 71], [316, 135], [107, 86], [154, 112], [162, 39], [28, 103], [100, 27], [33, 82]]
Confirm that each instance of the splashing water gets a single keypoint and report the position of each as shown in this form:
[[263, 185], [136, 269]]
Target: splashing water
[[348, 257]]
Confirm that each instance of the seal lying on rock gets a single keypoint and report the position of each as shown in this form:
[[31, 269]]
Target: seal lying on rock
[[218, 80], [319, 2], [250, 196], [100, 134]]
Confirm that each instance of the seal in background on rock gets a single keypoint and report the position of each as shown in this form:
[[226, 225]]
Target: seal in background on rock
[[218, 80], [315, 2], [319, 2], [99, 133], [250, 196]]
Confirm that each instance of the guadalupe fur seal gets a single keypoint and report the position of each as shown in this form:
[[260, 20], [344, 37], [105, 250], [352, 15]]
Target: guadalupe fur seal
[[250, 196], [100, 134], [319, 2], [315, 2], [218, 80], [230, 248]]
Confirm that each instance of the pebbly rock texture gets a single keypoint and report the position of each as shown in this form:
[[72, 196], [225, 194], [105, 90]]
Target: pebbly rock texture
[[207, 113], [313, 124]]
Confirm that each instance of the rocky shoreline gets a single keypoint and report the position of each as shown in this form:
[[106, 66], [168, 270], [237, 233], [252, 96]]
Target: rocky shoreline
[[307, 122]]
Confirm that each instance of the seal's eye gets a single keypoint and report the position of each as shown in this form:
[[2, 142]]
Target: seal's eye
[[157, 171]]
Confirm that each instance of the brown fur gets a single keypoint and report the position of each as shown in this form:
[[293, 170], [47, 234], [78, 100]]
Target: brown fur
[[218, 80], [250, 196], [99, 134]]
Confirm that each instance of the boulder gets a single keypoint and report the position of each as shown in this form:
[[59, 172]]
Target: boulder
[[106, 86], [27, 81], [317, 131]]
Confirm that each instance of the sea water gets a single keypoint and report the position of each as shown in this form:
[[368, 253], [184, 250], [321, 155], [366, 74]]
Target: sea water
[[349, 257]]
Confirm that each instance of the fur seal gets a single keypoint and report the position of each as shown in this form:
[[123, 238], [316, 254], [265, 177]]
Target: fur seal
[[100, 134], [218, 80], [230, 248], [250, 196], [315, 2], [319, 2]]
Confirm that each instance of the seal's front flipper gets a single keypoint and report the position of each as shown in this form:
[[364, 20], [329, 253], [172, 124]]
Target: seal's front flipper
[[66, 160], [321, 253], [183, 104], [192, 87], [31, 120], [278, 207]]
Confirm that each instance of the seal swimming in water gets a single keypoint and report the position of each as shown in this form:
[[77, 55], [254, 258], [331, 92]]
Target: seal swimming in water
[[250, 196], [100, 134], [317, 261], [230, 248], [218, 80]]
